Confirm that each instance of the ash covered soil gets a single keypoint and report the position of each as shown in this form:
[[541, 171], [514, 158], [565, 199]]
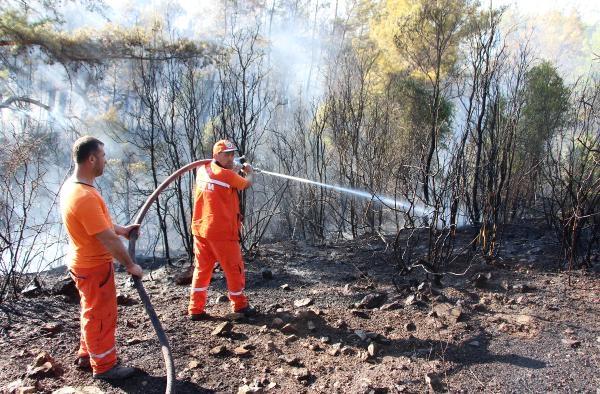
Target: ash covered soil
[[335, 318]]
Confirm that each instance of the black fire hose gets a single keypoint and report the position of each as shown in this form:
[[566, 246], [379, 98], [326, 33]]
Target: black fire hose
[[137, 282]]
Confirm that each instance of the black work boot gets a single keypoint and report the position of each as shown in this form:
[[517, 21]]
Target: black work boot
[[199, 316], [115, 373], [248, 311]]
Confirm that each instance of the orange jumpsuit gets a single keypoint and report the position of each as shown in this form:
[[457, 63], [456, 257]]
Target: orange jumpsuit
[[84, 215], [216, 223]]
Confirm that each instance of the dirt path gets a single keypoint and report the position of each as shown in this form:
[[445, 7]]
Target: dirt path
[[524, 330]]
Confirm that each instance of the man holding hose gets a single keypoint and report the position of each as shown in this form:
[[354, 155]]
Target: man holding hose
[[93, 244], [216, 225]]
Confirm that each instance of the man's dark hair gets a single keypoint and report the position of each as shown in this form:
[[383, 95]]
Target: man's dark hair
[[84, 147]]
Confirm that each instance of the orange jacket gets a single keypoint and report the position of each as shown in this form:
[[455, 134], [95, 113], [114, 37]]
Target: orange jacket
[[216, 203], [84, 215]]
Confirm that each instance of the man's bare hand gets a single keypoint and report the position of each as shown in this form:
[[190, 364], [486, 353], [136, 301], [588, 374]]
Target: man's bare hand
[[135, 270], [125, 231], [247, 168]]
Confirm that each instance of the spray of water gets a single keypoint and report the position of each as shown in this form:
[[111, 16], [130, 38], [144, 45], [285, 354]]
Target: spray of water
[[388, 201]]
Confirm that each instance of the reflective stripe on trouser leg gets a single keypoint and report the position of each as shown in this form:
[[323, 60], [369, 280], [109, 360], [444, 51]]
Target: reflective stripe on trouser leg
[[98, 315], [229, 255], [204, 262]]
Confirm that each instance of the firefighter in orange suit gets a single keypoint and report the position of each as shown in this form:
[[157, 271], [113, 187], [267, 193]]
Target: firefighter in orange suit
[[93, 243], [216, 224]]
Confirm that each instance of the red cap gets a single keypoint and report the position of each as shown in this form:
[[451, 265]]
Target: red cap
[[223, 146]]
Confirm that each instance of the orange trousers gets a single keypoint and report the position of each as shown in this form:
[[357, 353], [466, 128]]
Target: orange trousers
[[98, 315], [229, 255]]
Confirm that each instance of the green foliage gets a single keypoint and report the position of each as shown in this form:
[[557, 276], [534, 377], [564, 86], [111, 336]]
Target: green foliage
[[415, 98], [429, 36], [546, 104], [95, 46]]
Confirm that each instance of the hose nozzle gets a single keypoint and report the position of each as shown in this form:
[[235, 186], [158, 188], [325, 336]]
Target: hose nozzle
[[239, 161]]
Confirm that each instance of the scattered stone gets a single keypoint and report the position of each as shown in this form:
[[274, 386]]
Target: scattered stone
[[311, 325], [391, 306], [341, 324], [74, 390], [193, 364], [66, 287], [361, 335], [306, 314], [335, 349], [285, 287], [289, 329], [347, 351], [33, 289], [270, 346], [52, 328], [246, 389], [434, 382], [218, 351], [347, 290], [301, 374], [327, 339], [13, 386], [521, 300], [410, 300], [130, 324], [410, 326], [363, 356], [572, 343], [314, 347], [303, 302], [291, 338], [524, 319], [373, 349], [124, 299], [448, 312], [27, 390], [481, 279], [266, 274], [222, 329], [242, 351], [44, 366], [221, 299], [185, 278], [523, 288], [277, 322], [291, 360], [359, 313], [371, 301], [569, 331], [133, 341]]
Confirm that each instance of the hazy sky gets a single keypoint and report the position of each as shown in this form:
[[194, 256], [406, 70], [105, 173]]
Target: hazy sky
[[589, 10], [195, 12]]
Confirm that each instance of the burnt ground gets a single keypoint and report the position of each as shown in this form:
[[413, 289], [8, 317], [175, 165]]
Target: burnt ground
[[525, 329]]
